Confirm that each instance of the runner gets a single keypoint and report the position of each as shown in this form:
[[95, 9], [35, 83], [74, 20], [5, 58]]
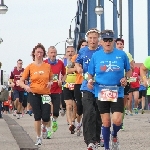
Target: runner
[[77, 92], [68, 90], [134, 90], [91, 116], [17, 90], [39, 90], [120, 46], [107, 64], [58, 69]]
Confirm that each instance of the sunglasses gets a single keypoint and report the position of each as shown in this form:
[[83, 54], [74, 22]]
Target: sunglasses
[[108, 39]]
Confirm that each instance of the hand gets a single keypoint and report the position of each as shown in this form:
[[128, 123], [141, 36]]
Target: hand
[[90, 84], [123, 82], [17, 83], [12, 84], [79, 70], [49, 84], [59, 83], [146, 82], [27, 88]]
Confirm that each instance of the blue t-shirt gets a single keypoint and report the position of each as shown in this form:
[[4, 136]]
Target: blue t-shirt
[[84, 58], [108, 69], [142, 87]]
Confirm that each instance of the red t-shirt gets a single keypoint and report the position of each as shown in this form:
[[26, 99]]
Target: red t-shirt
[[135, 74], [16, 75], [58, 69]]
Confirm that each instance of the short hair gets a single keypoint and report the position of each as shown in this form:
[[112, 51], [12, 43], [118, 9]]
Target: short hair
[[19, 60], [119, 39], [39, 45]]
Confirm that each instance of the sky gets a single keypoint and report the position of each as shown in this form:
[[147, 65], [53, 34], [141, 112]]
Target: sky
[[29, 22]]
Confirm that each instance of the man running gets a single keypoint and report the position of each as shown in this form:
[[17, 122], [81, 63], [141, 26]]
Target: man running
[[68, 90], [58, 69], [17, 90], [107, 67], [91, 115]]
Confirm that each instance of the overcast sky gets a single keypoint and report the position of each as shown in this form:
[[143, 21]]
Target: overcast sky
[[29, 22]]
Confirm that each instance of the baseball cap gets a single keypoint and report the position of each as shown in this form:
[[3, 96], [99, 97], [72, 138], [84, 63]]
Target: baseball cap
[[107, 34]]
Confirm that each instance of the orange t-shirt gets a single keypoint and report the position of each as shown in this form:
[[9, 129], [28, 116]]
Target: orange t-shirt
[[39, 77], [79, 77]]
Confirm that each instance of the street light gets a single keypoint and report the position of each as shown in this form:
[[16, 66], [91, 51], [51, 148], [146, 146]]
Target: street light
[[1, 40], [70, 40], [61, 42], [119, 15], [3, 8], [99, 9]]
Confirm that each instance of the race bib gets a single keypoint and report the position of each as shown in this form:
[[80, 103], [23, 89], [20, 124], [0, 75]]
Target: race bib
[[70, 86], [108, 93], [132, 79], [46, 99], [55, 77]]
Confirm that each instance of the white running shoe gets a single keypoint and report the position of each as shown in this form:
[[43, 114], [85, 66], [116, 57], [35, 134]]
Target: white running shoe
[[92, 146], [38, 141], [18, 116]]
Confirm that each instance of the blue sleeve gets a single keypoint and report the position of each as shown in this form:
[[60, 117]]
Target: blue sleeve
[[91, 68], [79, 59], [126, 63]]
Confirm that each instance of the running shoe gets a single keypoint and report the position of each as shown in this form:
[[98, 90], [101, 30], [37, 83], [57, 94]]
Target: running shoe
[[142, 111], [54, 126], [92, 146], [71, 128], [49, 134], [38, 141], [114, 143], [136, 111]]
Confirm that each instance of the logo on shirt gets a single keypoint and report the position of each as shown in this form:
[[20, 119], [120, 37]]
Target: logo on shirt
[[109, 66], [39, 72]]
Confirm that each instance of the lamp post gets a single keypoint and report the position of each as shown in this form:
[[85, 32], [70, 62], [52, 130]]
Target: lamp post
[[3, 8], [99, 9], [119, 15], [61, 42], [70, 40]]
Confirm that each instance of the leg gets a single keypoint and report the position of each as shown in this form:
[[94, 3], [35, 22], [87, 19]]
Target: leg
[[78, 98], [89, 118], [130, 103], [35, 102]]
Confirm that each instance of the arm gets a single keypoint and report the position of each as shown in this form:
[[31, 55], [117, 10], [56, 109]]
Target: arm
[[91, 73], [127, 66], [25, 76], [11, 79], [143, 72], [79, 62], [132, 64]]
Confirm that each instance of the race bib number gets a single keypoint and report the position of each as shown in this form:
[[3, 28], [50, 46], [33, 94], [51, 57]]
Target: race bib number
[[132, 79], [70, 86], [46, 99], [55, 77], [109, 93]]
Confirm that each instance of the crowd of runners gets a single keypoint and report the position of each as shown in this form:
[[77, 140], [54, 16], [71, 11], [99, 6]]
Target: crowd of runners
[[89, 83]]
